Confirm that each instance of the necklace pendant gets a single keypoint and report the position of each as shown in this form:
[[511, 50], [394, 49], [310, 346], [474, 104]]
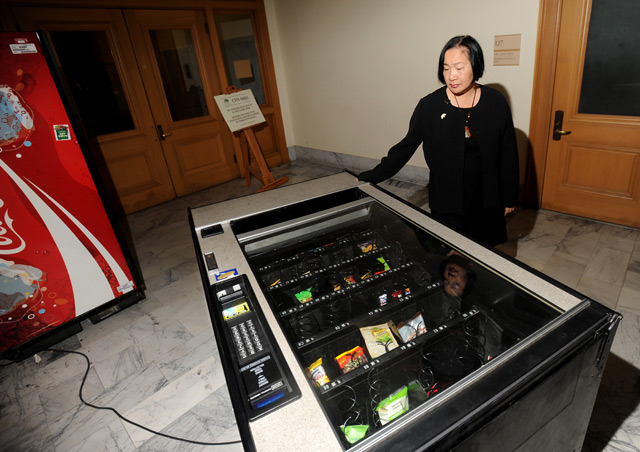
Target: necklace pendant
[[467, 132]]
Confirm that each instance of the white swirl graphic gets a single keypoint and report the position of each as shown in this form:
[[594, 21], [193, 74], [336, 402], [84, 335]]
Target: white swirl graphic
[[7, 241]]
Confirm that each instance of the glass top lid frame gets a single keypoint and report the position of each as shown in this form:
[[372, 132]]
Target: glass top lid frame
[[276, 236]]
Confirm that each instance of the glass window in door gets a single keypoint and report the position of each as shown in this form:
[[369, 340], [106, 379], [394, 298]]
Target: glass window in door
[[611, 77], [240, 53], [178, 65], [93, 79]]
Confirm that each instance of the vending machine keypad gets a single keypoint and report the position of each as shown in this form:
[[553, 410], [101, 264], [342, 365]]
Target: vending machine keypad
[[246, 339], [264, 378]]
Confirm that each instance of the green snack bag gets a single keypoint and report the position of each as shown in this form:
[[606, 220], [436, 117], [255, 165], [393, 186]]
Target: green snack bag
[[393, 406], [354, 433], [304, 295]]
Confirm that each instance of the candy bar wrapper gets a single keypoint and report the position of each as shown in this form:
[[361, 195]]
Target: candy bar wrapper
[[351, 359]]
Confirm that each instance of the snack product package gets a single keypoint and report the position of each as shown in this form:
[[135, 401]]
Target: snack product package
[[393, 406], [317, 373], [354, 433], [384, 267], [304, 295], [351, 359], [379, 339], [351, 279], [366, 247], [416, 393], [412, 328], [375, 267]]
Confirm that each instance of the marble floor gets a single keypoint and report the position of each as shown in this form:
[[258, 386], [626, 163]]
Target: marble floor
[[157, 364]]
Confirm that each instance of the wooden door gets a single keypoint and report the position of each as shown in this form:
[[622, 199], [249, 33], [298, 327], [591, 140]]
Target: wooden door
[[593, 158], [176, 61], [95, 53], [243, 59]]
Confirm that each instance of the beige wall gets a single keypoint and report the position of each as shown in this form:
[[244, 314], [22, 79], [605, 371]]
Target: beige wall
[[350, 72]]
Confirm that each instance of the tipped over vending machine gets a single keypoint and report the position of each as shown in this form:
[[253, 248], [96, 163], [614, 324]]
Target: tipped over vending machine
[[61, 255], [347, 319]]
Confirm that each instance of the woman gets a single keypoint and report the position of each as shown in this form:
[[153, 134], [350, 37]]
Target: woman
[[469, 144]]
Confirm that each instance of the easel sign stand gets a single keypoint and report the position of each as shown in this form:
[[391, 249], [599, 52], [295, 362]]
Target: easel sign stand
[[241, 110]]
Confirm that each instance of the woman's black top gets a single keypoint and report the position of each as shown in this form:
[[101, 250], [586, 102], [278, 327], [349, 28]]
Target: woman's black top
[[490, 164]]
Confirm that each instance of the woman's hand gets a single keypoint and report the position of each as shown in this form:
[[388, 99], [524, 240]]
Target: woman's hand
[[508, 210]]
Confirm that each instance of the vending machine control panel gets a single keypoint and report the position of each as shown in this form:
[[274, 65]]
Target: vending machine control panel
[[263, 376]]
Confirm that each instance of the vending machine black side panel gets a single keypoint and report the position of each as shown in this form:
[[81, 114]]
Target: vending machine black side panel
[[224, 351], [543, 418]]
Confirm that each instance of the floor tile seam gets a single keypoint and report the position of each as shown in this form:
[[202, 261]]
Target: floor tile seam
[[135, 369], [95, 355], [599, 281], [87, 341], [122, 385], [56, 372], [172, 275], [615, 251], [631, 279], [18, 392], [590, 220], [19, 433], [174, 378], [124, 424], [78, 406], [28, 413], [141, 342], [577, 260], [187, 308], [587, 282], [75, 415], [163, 363], [176, 383]]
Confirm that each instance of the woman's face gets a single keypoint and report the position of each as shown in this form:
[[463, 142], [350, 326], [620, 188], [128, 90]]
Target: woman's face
[[457, 70], [455, 279]]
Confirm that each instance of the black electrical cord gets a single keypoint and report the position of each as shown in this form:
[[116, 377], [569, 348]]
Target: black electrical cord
[[84, 379]]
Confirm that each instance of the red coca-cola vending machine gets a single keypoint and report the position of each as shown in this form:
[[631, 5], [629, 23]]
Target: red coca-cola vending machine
[[62, 256]]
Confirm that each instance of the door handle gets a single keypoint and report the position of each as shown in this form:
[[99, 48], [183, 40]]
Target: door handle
[[162, 134], [557, 126]]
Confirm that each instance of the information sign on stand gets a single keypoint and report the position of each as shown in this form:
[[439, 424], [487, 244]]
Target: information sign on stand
[[241, 112]]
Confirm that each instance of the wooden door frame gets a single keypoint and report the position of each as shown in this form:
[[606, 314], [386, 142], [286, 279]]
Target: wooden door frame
[[271, 110], [542, 100]]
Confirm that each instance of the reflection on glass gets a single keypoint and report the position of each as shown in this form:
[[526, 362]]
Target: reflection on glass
[[180, 73], [611, 78], [456, 273], [382, 315], [240, 54], [93, 80]]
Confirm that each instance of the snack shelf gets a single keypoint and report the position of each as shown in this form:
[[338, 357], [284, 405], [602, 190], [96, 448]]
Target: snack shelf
[[389, 357], [366, 318]]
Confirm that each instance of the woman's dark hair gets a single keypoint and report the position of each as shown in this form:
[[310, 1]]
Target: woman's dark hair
[[466, 266], [473, 50]]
